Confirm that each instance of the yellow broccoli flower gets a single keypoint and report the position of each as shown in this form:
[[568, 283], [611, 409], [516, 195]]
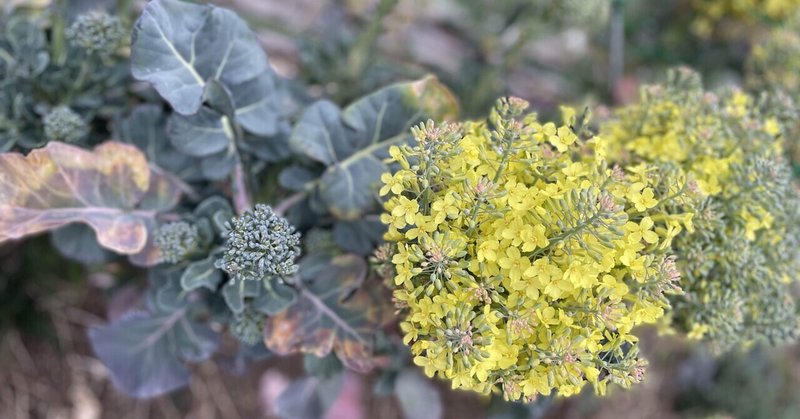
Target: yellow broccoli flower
[[522, 265], [643, 198], [641, 231], [727, 206]]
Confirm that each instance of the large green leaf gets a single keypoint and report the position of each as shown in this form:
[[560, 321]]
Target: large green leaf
[[218, 166], [210, 130], [255, 104], [145, 128], [269, 149], [211, 135], [297, 177], [146, 353], [179, 47], [336, 311], [202, 134], [359, 236], [354, 142], [112, 189], [209, 66]]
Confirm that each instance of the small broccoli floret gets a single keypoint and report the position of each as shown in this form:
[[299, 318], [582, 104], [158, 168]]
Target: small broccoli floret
[[260, 244], [63, 124], [177, 241], [248, 326], [96, 32]]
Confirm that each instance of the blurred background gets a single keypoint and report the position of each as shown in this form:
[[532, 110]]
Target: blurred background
[[592, 53]]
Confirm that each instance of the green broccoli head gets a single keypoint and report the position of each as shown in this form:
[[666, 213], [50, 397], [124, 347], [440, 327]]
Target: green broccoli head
[[64, 124], [96, 33], [248, 326], [260, 244], [177, 240]]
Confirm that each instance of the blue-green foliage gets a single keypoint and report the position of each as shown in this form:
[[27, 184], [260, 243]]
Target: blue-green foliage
[[226, 258], [54, 92]]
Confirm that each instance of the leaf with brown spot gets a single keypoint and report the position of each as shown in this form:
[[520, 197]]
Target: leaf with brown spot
[[336, 311], [112, 189]]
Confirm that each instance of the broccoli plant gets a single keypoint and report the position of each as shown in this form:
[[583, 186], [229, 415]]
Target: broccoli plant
[[254, 210], [509, 255], [56, 91]]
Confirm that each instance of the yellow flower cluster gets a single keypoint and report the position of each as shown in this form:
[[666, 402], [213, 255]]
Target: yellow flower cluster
[[774, 61], [712, 12], [772, 67], [743, 247], [523, 262]]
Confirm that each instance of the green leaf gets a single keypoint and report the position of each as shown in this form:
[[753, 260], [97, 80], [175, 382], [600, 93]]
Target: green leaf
[[145, 128], [179, 46], [210, 131], [275, 297], [77, 242], [269, 149], [210, 206], [335, 312], [217, 210], [360, 236], [164, 292], [321, 135], [418, 397], [218, 166], [145, 353], [201, 273], [112, 189], [202, 134], [296, 177], [235, 292], [170, 296], [218, 98], [256, 105], [268, 296], [354, 142]]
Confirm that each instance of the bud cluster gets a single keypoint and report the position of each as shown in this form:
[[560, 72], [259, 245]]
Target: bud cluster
[[96, 33], [260, 244], [64, 124], [177, 241]]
